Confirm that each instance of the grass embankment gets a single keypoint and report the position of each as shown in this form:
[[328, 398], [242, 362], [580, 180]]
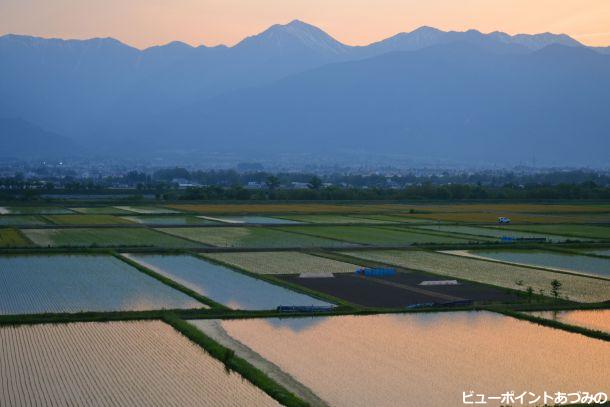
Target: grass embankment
[[553, 323], [234, 363], [170, 282]]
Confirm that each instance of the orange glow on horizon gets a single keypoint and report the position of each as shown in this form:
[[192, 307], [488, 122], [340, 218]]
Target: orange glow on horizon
[[143, 23]]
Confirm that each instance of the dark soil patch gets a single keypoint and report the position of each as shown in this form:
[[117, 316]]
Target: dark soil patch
[[400, 290]]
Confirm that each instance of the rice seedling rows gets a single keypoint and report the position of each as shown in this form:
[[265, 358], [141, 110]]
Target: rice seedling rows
[[72, 283], [282, 262], [110, 237], [577, 288], [250, 237], [389, 360], [114, 364]]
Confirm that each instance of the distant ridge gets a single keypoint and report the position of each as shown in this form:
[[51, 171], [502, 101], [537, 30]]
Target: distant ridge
[[109, 96], [314, 38], [19, 138]]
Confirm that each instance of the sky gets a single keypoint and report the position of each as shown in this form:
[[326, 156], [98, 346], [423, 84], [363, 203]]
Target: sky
[[143, 23]]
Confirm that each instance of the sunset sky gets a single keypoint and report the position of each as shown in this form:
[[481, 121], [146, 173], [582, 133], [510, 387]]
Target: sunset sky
[[143, 23]]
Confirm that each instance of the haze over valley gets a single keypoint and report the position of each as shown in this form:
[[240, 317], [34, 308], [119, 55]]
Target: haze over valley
[[428, 95]]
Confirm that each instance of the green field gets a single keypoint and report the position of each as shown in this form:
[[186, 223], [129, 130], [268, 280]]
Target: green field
[[489, 232], [13, 238], [22, 220], [101, 210], [332, 219], [393, 218], [108, 237], [146, 210], [30, 210], [169, 220], [374, 235], [492, 217], [250, 237], [87, 220], [282, 262], [588, 231], [100, 280]]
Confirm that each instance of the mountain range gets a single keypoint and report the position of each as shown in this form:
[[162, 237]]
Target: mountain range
[[460, 95]]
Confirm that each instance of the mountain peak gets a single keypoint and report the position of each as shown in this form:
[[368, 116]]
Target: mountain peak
[[426, 36], [295, 33], [424, 29], [298, 23]]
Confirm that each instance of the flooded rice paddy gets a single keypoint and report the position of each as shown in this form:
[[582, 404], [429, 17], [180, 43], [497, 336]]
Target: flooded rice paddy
[[548, 259], [260, 220], [598, 320], [491, 232], [169, 220], [424, 359], [577, 287], [114, 364], [223, 285], [73, 283]]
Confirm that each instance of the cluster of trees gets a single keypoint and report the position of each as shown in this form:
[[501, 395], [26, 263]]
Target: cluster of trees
[[493, 178], [233, 185], [425, 191]]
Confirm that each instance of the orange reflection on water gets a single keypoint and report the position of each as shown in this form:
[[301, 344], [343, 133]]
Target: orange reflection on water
[[425, 359], [598, 320]]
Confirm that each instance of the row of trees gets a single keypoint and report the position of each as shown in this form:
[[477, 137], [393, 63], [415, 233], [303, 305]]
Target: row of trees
[[494, 178], [426, 191], [279, 187]]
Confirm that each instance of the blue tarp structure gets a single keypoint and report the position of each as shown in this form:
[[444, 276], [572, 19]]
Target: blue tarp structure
[[375, 272]]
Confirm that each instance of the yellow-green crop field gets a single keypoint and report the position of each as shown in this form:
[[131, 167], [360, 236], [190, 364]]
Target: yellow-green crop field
[[13, 238], [308, 208], [577, 288], [250, 237], [282, 262], [106, 237], [87, 220]]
